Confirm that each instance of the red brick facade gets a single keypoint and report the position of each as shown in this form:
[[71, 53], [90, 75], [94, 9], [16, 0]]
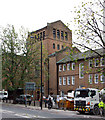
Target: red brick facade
[[90, 76], [55, 37]]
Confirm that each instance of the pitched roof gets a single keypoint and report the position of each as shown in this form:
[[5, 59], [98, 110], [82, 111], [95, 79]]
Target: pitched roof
[[47, 25], [80, 56]]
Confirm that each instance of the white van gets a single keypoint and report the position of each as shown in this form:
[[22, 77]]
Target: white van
[[3, 94]]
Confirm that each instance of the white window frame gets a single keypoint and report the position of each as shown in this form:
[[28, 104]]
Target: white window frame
[[68, 80], [95, 62], [68, 66], [95, 78], [60, 80], [73, 80], [73, 66], [102, 61], [81, 70], [60, 68], [102, 78], [90, 78], [90, 63], [64, 67], [64, 80]]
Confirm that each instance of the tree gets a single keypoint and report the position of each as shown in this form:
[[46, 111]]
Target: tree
[[90, 22], [20, 58]]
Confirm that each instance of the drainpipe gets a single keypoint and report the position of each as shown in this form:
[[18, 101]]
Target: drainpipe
[[57, 80]]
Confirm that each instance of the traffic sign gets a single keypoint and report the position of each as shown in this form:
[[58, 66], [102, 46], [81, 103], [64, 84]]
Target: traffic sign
[[30, 86]]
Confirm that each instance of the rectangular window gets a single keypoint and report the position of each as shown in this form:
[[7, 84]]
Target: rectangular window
[[102, 78], [62, 35], [68, 66], [90, 63], [90, 79], [43, 35], [58, 34], [62, 46], [60, 67], [66, 36], [81, 70], [53, 45], [64, 67], [96, 78], [68, 80], [73, 80], [64, 80], [102, 61], [60, 80], [54, 33], [58, 47], [96, 62], [73, 66]]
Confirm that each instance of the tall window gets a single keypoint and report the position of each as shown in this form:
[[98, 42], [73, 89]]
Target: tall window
[[68, 66], [68, 80], [73, 66], [43, 35], [54, 33], [96, 62], [102, 61], [96, 78], [62, 46], [64, 80], [53, 45], [102, 78], [58, 47], [58, 34], [64, 67], [66, 36], [73, 80], [90, 78], [90, 63], [81, 70], [60, 67], [60, 80], [62, 35]]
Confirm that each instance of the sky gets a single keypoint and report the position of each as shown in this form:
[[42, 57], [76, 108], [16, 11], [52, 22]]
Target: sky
[[35, 14]]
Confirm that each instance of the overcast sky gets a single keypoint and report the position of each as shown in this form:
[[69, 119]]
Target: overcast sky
[[35, 14]]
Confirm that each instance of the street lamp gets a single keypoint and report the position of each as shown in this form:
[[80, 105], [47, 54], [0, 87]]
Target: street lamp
[[41, 75]]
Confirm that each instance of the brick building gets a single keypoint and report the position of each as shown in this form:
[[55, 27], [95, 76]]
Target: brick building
[[82, 69], [56, 36]]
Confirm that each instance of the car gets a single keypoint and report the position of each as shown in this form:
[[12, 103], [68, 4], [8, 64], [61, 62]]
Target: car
[[23, 98]]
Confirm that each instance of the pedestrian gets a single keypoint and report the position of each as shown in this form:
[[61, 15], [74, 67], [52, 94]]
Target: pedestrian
[[49, 103], [102, 105]]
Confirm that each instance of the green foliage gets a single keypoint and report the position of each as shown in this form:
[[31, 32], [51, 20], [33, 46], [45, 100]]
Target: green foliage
[[20, 59], [89, 25]]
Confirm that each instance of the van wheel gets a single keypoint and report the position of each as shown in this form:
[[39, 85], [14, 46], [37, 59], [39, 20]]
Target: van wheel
[[96, 110]]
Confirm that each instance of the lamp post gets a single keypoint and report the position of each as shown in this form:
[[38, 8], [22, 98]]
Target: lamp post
[[41, 75]]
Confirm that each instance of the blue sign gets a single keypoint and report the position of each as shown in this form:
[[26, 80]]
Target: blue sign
[[30, 86]]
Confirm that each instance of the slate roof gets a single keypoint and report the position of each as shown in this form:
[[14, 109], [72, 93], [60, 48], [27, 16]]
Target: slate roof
[[80, 56]]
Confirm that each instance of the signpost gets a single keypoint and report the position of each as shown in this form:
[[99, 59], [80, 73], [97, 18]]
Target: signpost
[[29, 86]]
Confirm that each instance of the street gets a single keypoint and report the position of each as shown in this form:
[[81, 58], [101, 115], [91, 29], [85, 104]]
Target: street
[[20, 111]]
